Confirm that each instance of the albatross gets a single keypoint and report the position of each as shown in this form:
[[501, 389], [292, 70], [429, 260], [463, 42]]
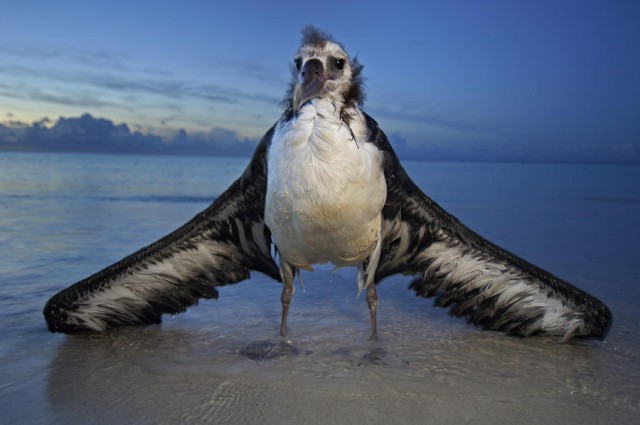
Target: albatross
[[325, 186]]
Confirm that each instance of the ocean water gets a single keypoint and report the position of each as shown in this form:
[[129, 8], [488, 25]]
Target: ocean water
[[66, 216]]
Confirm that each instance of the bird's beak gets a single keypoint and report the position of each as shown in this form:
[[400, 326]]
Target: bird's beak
[[313, 78]]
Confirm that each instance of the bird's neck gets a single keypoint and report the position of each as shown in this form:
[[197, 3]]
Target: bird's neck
[[323, 125]]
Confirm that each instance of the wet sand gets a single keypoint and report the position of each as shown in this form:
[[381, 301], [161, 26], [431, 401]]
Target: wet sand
[[427, 368]]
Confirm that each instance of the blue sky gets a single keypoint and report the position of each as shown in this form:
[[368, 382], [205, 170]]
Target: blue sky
[[556, 80]]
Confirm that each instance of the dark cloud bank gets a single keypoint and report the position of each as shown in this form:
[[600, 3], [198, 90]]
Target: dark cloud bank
[[99, 135]]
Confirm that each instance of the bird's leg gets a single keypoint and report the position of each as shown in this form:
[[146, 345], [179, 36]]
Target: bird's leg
[[287, 294], [286, 272], [372, 300]]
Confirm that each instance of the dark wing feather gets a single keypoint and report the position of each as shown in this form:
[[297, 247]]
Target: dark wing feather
[[486, 284], [219, 246]]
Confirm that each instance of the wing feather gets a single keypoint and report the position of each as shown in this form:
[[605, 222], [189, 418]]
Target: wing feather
[[475, 278], [218, 246]]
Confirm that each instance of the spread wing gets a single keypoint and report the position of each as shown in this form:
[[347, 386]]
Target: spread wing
[[475, 278], [219, 246]]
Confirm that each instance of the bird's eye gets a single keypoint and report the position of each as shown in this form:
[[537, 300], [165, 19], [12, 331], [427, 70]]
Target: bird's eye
[[339, 63], [298, 63]]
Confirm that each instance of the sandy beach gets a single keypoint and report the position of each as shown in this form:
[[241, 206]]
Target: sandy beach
[[427, 368]]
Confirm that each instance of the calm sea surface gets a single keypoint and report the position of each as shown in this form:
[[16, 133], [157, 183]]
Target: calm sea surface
[[65, 216]]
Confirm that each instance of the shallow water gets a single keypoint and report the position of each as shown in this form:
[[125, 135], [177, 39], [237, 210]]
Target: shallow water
[[65, 216]]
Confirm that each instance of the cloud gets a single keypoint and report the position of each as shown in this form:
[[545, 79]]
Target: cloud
[[75, 80], [170, 88], [100, 135], [449, 123], [98, 58], [257, 71], [61, 98]]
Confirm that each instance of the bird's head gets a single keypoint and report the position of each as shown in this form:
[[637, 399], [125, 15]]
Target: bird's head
[[322, 69]]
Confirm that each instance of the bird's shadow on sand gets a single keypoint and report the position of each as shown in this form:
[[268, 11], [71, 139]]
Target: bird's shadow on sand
[[98, 367], [153, 367]]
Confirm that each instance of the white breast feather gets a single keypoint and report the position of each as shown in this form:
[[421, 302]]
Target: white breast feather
[[325, 190]]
